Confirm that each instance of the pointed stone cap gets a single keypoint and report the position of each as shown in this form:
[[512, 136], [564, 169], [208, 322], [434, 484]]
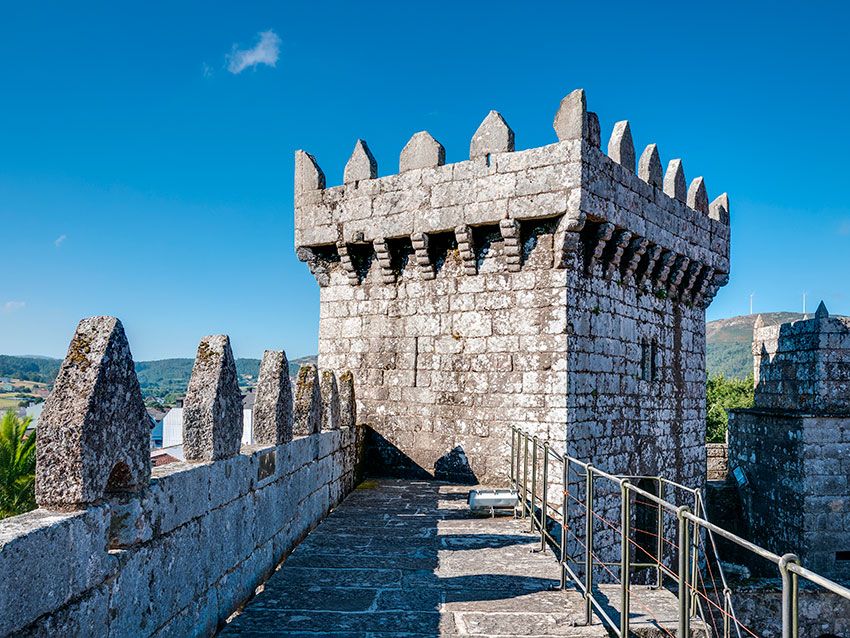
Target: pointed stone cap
[[212, 409], [307, 417], [821, 312], [361, 165], [758, 323], [571, 120], [719, 208], [698, 196], [347, 404], [308, 175], [422, 151], [330, 401], [94, 433], [621, 149], [273, 403], [493, 136], [649, 166], [674, 180]]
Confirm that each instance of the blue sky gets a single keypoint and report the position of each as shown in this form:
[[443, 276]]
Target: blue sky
[[146, 152]]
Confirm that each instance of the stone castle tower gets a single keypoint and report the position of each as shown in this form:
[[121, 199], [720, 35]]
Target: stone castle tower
[[791, 452], [558, 289]]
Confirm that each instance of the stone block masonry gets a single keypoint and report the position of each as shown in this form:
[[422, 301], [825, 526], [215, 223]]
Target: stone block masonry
[[558, 288], [123, 550], [793, 447]]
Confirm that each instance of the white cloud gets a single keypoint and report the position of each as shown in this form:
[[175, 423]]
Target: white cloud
[[60, 240], [207, 70], [13, 306], [266, 51]]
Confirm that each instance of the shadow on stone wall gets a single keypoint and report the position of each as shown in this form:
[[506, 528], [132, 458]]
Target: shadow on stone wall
[[385, 459]]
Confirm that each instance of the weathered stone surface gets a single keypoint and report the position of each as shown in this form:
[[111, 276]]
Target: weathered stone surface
[[361, 165], [674, 180], [330, 401], [347, 403], [719, 209], [571, 120], [493, 136], [308, 402], [213, 533], [212, 409], [273, 403], [698, 196], [621, 149], [520, 293], [792, 444], [308, 175], [422, 151], [415, 564], [649, 167], [94, 433]]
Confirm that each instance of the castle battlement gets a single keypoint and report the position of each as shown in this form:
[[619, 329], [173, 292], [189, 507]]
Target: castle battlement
[[119, 548], [803, 365], [629, 215]]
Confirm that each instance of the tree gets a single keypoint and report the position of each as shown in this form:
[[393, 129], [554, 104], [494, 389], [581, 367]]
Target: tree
[[721, 395], [17, 465]]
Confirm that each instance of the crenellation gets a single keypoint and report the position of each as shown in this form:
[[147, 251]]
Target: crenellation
[[212, 409], [697, 196], [674, 181], [360, 166], [272, 418], [649, 167], [621, 149], [421, 151], [307, 410], [493, 136]]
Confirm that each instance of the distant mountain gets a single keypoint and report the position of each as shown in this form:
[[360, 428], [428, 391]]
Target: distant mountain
[[729, 342], [157, 378]]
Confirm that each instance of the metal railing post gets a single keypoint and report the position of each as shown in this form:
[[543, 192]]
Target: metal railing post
[[727, 612], [544, 505], [564, 519], [684, 569], [524, 474], [659, 541], [533, 482], [625, 558], [695, 554], [588, 547], [790, 590], [513, 457]]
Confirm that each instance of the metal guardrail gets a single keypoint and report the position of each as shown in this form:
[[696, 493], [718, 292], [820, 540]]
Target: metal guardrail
[[530, 458]]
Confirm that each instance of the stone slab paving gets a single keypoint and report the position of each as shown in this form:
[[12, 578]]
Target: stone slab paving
[[406, 559]]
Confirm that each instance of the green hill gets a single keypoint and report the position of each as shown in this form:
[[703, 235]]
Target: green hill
[[729, 342], [157, 378]]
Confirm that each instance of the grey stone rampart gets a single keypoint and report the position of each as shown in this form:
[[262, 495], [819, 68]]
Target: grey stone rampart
[[179, 556], [793, 447], [521, 287], [804, 365]]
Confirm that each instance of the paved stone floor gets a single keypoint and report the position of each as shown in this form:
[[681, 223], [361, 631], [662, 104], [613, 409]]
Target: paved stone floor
[[406, 559]]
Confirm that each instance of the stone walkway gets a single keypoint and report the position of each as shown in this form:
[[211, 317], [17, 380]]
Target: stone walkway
[[406, 559]]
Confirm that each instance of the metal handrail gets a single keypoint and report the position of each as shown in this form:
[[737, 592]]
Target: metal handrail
[[691, 522]]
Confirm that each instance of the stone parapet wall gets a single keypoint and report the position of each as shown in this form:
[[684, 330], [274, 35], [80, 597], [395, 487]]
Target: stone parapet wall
[[117, 548], [193, 546], [804, 365]]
